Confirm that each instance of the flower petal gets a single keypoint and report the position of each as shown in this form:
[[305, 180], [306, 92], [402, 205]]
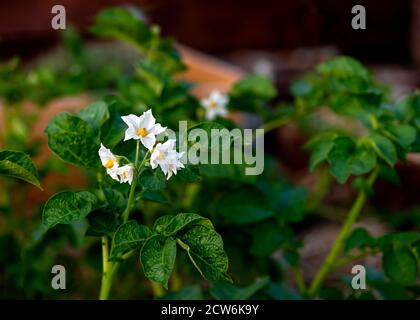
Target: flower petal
[[131, 120], [147, 120], [113, 173], [158, 129], [148, 141], [211, 114], [130, 133], [168, 145]]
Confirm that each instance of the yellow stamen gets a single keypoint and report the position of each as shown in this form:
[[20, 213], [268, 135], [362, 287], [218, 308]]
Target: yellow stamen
[[161, 155], [125, 175], [213, 104], [109, 164], [142, 132]]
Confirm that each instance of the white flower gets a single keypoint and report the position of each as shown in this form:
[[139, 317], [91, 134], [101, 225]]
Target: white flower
[[165, 155], [125, 173], [109, 161], [215, 105], [143, 128]]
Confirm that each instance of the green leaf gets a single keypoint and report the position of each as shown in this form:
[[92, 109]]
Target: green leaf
[[95, 114], [73, 140], [205, 249], [170, 225], [212, 130], [291, 255], [191, 292], [279, 291], [190, 173], [400, 266], [290, 204], [320, 154], [255, 85], [242, 206], [152, 75], [183, 221], [384, 148], [232, 172], [67, 207], [161, 223], [152, 179], [155, 196], [343, 68], [101, 223], [359, 238], [129, 236], [157, 257], [406, 238], [269, 237], [124, 25], [347, 158], [119, 23], [18, 165], [405, 135], [228, 291], [116, 201]]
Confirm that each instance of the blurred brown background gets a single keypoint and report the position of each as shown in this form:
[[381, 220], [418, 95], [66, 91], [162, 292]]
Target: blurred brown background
[[222, 26], [278, 39]]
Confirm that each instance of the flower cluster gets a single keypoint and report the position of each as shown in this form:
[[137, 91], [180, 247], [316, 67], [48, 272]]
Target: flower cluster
[[145, 129], [110, 162], [165, 156], [215, 105]]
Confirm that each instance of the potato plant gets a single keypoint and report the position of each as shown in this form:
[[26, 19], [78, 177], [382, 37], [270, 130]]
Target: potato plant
[[144, 205]]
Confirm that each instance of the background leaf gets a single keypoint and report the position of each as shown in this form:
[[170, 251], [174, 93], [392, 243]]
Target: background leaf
[[95, 114], [67, 207], [400, 266], [228, 291], [18, 165], [73, 140]]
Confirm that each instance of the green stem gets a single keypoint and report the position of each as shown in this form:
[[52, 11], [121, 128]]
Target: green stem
[[300, 282], [321, 189], [106, 271], [100, 194], [342, 236], [277, 123], [127, 210]]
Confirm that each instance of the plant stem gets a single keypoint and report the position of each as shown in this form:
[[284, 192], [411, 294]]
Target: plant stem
[[342, 236], [300, 283], [321, 189], [127, 210], [276, 123], [272, 125], [106, 271]]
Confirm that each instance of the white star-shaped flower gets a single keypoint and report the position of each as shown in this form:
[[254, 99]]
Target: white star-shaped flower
[[125, 173], [143, 128], [165, 155], [109, 161], [215, 105]]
